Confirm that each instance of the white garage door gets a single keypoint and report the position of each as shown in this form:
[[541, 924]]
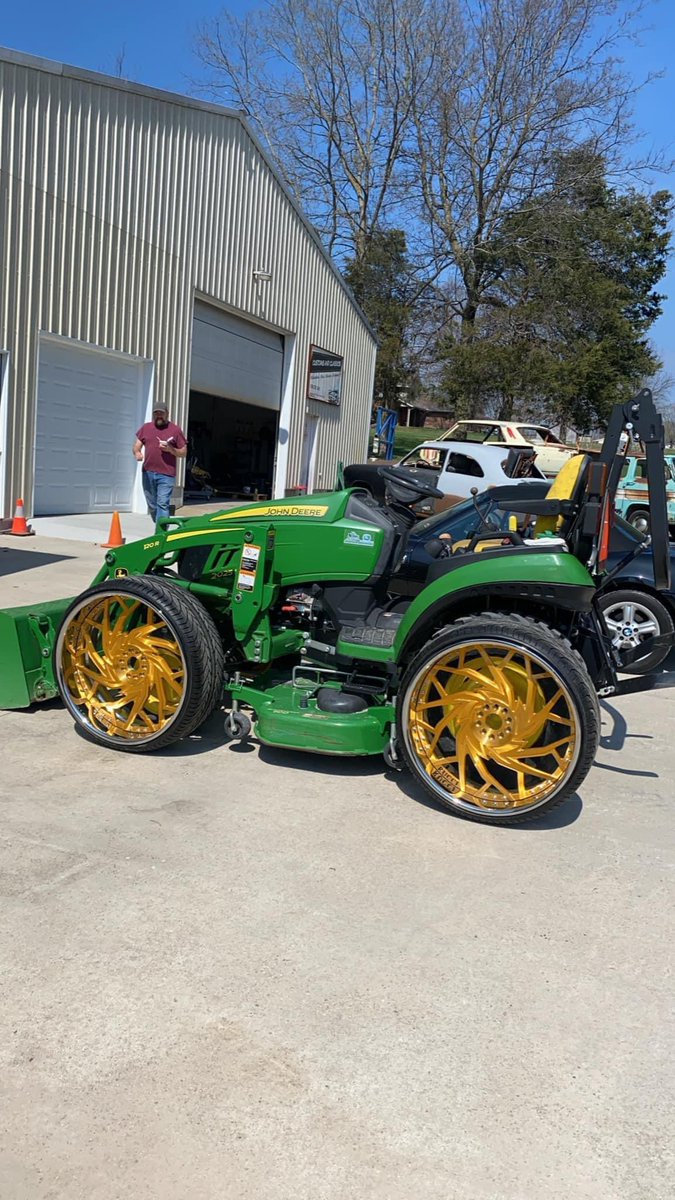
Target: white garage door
[[90, 404], [234, 358]]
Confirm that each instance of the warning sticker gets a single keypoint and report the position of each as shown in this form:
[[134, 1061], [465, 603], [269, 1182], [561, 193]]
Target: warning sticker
[[248, 568]]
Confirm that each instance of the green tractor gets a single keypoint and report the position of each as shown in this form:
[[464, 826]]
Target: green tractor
[[485, 684]]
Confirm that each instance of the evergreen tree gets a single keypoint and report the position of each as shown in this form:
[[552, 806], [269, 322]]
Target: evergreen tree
[[563, 331], [381, 280]]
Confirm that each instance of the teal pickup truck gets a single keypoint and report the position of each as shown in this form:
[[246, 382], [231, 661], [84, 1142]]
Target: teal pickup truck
[[632, 501]]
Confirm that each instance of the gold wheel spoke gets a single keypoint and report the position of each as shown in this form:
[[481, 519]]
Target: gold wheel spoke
[[515, 763], [538, 719], [489, 781], [136, 708], [483, 680], [542, 751], [150, 628]]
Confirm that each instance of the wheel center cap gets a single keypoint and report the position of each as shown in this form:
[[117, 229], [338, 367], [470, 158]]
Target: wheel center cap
[[131, 665], [494, 724]]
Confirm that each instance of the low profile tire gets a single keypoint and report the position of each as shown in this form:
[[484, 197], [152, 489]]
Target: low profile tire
[[640, 520], [139, 663], [498, 719], [633, 618]]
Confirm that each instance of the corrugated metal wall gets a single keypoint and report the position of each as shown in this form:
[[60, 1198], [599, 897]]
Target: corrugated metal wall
[[117, 203]]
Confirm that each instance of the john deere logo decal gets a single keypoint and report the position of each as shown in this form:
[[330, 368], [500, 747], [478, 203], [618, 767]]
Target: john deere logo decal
[[358, 539]]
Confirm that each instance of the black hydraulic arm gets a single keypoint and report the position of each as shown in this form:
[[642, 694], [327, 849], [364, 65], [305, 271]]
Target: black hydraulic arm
[[640, 418]]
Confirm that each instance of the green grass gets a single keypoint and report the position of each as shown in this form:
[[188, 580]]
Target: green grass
[[407, 439]]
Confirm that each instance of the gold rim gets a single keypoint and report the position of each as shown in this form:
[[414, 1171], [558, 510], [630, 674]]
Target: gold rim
[[122, 668], [493, 726]]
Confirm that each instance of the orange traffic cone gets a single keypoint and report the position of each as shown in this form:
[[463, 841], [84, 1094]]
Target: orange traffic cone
[[20, 526], [115, 538]]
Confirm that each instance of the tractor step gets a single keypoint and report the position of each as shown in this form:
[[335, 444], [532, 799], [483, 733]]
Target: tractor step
[[368, 635]]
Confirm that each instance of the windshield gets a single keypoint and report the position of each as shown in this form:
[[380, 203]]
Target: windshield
[[462, 520], [538, 437], [428, 457], [470, 431]]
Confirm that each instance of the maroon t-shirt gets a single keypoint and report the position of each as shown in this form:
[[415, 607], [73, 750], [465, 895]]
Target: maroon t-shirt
[[154, 458]]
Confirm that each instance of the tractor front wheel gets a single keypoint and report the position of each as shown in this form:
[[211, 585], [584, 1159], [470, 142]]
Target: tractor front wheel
[[139, 663], [498, 718]]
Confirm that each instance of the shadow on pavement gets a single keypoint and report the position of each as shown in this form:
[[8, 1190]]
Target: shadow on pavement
[[663, 677], [361, 768], [616, 740], [212, 736], [13, 559], [358, 767]]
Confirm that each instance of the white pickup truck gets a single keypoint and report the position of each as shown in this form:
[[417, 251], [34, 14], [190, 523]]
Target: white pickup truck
[[551, 452]]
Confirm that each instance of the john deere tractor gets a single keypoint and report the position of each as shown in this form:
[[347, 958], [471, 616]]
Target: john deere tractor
[[484, 684]]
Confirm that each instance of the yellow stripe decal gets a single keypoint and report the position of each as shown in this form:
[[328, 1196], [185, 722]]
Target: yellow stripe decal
[[275, 510], [176, 537]]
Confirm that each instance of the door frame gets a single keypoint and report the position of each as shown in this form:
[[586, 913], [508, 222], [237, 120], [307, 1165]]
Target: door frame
[[280, 481], [308, 460], [4, 426]]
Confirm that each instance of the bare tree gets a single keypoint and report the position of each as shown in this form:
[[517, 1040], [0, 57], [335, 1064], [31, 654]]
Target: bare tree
[[521, 83], [332, 86], [662, 387], [120, 59]]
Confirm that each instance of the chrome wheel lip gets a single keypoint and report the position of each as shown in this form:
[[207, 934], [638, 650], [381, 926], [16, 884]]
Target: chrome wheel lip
[[80, 718], [496, 814], [625, 629]]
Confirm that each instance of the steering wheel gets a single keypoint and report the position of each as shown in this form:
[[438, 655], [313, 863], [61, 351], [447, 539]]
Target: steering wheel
[[406, 479]]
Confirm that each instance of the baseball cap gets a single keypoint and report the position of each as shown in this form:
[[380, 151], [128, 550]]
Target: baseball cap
[[159, 408]]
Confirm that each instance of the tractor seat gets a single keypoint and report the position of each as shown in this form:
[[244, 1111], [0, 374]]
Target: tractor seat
[[568, 486]]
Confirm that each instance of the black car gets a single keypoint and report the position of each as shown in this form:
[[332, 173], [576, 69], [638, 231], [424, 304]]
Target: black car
[[633, 609]]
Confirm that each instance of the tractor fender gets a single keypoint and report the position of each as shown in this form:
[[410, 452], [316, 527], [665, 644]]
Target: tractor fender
[[550, 578]]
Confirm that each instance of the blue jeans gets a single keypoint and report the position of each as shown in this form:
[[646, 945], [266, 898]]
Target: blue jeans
[[158, 489]]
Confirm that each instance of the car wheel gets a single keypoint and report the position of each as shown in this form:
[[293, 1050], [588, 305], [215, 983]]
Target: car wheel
[[139, 663], [498, 719], [639, 519], [633, 618]]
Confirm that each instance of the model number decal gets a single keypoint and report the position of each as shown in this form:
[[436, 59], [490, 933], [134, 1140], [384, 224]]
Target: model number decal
[[150, 545], [358, 539]]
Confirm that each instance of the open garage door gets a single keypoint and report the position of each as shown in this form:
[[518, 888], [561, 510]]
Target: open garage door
[[235, 358], [235, 398], [90, 404]]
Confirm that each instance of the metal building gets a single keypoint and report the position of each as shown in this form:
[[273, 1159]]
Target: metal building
[[150, 251]]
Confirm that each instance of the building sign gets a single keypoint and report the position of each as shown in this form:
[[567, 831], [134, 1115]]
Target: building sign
[[324, 380]]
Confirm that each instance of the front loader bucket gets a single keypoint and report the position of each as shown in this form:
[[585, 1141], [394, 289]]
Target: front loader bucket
[[27, 638]]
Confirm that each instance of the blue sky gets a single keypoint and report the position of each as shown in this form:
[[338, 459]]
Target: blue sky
[[158, 35]]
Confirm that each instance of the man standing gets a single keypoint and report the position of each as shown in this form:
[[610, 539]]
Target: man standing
[[158, 444]]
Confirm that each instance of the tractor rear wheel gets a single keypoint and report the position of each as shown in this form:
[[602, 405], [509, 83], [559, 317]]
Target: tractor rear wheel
[[139, 663], [498, 718]]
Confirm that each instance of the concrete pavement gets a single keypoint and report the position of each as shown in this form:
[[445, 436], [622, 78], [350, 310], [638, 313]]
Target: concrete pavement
[[232, 972], [95, 527]]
